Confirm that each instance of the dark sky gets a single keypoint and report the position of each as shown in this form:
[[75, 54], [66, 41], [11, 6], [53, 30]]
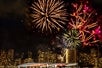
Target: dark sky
[[13, 33]]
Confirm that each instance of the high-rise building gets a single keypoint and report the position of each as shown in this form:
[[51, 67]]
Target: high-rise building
[[11, 53]]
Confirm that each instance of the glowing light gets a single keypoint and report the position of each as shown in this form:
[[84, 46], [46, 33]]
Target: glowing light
[[82, 21], [85, 8], [49, 14], [98, 32], [70, 39]]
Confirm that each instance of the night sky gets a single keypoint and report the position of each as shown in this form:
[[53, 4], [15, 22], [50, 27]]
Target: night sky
[[14, 34]]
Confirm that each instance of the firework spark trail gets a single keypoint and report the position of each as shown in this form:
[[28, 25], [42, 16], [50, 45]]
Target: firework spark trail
[[49, 14], [69, 39], [82, 22]]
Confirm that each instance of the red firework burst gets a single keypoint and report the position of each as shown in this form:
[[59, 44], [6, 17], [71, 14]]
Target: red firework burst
[[82, 20]]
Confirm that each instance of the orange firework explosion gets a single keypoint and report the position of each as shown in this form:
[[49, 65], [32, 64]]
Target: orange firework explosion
[[49, 14], [82, 21]]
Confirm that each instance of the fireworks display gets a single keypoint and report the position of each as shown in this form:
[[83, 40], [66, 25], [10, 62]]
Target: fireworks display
[[49, 14], [83, 20], [98, 32], [71, 39]]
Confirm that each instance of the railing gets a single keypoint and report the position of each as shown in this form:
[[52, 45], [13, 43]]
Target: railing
[[8, 67], [48, 65]]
